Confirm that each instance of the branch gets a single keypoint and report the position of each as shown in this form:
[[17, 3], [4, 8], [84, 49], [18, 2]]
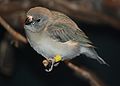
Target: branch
[[94, 81], [10, 30]]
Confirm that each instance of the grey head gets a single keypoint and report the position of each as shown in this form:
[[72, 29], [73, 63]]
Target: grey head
[[36, 19]]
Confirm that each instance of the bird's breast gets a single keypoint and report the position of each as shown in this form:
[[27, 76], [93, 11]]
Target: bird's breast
[[49, 47]]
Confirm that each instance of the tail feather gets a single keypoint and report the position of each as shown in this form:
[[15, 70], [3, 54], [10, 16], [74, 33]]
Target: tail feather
[[90, 52]]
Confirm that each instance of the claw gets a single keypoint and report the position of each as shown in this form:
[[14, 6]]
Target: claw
[[50, 69], [51, 62], [49, 65]]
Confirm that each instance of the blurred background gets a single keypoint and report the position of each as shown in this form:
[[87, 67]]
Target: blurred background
[[20, 65]]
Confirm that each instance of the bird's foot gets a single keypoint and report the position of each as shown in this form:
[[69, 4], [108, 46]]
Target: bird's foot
[[51, 62]]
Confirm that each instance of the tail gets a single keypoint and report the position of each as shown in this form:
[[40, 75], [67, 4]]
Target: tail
[[90, 52]]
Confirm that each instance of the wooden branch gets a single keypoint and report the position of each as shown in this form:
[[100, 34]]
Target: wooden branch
[[94, 81], [10, 30]]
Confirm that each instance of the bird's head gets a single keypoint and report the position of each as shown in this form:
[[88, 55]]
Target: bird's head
[[36, 19]]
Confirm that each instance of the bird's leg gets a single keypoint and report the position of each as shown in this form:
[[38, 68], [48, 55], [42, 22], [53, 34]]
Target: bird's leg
[[51, 62], [57, 59], [48, 63]]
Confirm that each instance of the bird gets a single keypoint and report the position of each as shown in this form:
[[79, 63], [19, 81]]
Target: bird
[[57, 37]]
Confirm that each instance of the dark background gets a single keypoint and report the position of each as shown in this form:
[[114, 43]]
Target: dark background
[[100, 20], [28, 70]]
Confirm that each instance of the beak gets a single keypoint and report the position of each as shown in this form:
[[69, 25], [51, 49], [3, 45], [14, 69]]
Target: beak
[[28, 20]]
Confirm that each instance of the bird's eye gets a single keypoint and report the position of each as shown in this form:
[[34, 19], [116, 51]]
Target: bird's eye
[[38, 20]]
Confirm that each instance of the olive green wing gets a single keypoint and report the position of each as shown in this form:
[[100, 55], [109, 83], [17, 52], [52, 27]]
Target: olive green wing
[[63, 33]]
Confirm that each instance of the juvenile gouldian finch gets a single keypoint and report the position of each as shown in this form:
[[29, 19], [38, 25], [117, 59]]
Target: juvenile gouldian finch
[[56, 37]]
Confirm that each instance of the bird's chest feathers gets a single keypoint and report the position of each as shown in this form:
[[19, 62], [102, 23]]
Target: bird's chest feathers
[[47, 46], [43, 44]]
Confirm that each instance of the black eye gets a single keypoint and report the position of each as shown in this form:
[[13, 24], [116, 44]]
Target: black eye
[[38, 20]]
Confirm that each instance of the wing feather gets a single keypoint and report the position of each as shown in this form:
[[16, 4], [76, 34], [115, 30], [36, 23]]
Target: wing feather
[[63, 33]]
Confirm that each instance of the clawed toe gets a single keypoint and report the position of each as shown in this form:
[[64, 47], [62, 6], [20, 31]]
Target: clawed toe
[[49, 64]]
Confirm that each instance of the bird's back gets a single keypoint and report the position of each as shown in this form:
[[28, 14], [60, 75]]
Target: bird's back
[[62, 18]]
